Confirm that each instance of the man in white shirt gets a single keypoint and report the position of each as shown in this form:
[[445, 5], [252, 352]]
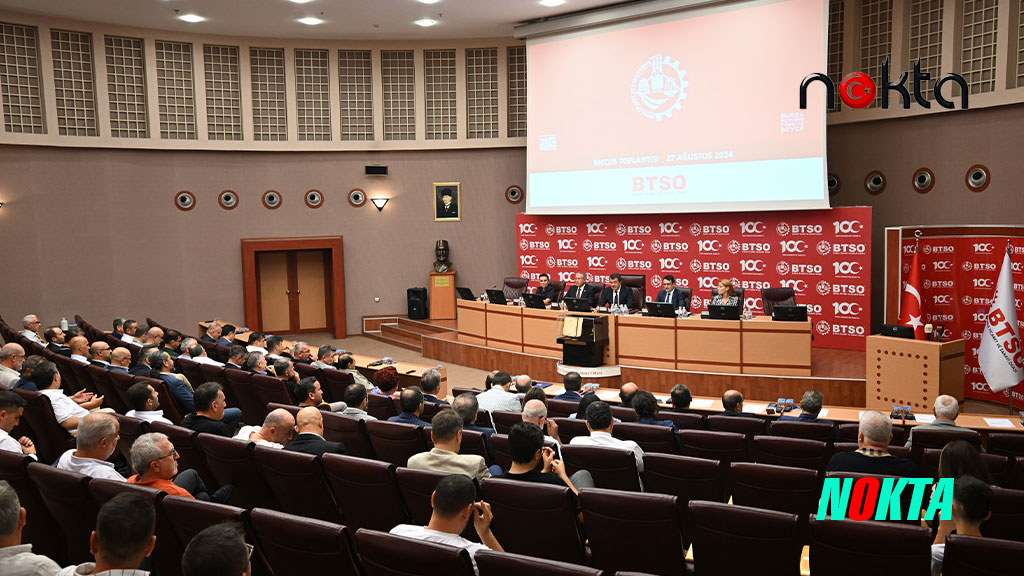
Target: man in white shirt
[[257, 343], [197, 354], [145, 404], [600, 423], [124, 535], [356, 399], [67, 410], [96, 441], [454, 504], [972, 505], [12, 357], [129, 327], [12, 407], [275, 433], [498, 396], [275, 348], [79, 348], [31, 328], [17, 559]]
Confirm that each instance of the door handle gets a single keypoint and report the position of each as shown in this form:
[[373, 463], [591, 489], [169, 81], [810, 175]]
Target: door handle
[[288, 292], [298, 291]]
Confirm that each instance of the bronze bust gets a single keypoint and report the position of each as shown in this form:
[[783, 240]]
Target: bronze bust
[[442, 264]]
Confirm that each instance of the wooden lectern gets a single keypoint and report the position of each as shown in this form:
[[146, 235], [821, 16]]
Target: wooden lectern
[[442, 295], [912, 372]]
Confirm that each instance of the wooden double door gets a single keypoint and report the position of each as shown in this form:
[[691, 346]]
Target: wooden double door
[[294, 291]]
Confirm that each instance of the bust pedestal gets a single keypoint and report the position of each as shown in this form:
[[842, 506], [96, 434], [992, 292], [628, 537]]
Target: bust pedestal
[[442, 295]]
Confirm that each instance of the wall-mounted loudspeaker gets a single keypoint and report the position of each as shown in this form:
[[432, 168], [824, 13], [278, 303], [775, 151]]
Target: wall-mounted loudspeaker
[[833, 183], [376, 170], [416, 298], [185, 200], [977, 177], [314, 199], [357, 198], [514, 194], [924, 180], [228, 199], [875, 182], [272, 199]]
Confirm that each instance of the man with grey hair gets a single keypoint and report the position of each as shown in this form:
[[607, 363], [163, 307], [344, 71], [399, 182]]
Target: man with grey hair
[[275, 433], [523, 384], [31, 323], [212, 333], [285, 370], [98, 434], [302, 353], [186, 344], [430, 382], [197, 354], [810, 408], [16, 558], [156, 461], [325, 357], [946, 409], [12, 357], [873, 456], [536, 412]]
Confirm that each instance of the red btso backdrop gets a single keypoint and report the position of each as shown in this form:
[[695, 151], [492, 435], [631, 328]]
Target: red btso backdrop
[[958, 277], [824, 255]]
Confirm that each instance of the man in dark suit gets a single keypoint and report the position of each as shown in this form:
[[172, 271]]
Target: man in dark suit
[[810, 407], [546, 290], [120, 359], [670, 295], [431, 384], [732, 402], [227, 337], [616, 294], [212, 333], [310, 435], [236, 357], [572, 382], [580, 288], [446, 206], [411, 401], [142, 367], [100, 353], [54, 337]]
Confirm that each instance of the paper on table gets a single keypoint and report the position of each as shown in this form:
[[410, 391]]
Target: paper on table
[[823, 413], [608, 395], [925, 418], [999, 422], [754, 408], [701, 403], [555, 390]]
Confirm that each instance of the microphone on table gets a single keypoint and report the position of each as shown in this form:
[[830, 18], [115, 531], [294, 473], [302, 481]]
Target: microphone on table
[[928, 329]]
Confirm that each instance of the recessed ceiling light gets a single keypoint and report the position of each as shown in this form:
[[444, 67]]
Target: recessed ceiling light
[[429, 1], [311, 21], [550, 3], [425, 22], [193, 18], [300, 1]]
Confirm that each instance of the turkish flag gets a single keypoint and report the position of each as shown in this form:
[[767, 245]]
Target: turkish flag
[[911, 304]]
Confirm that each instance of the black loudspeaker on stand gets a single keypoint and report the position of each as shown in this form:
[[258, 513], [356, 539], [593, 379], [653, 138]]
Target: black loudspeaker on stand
[[417, 299]]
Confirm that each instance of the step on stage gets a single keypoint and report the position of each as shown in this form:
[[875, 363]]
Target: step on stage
[[838, 374]]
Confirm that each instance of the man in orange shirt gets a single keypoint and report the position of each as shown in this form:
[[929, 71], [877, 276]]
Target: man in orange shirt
[[156, 461]]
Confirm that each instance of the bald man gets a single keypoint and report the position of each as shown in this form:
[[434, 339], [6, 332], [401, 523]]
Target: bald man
[[100, 352], [732, 402], [310, 435], [12, 357], [79, 348], [154, 336], [626, 394], [276, 430], [120, 359]]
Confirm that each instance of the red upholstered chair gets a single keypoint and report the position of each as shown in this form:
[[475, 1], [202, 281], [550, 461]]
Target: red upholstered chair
[[612, 468], [821, 431], [120, 382], [130, 430], [297, 546], [740, 424], [238, 385], [383, 554], [306, 370], [189, 455], [231, 462], [51, 439], [561, 408], [623, 413], [938, 438], [269, 390], [380, 407], [171, 409], [298, 483], [190, 369], [102, 384], [502, 453], [731, 539], [81, 376], [781, 488], [1007, 520], [416, 487], [798, 452], [68, 501], [188, 517], [504, 420], [42, 531], [212, 373], [1000, 468], [457, 391], [366, 491], [1006, 444], [619, 524], [520, 507], [394, 442], [725, 446], [349, 431], [848, 433], [650, 437], [166, 560], [687, 479], [841, 548], [504, 564], [569, 428], [683, 420], [971, 556], [333, 382]]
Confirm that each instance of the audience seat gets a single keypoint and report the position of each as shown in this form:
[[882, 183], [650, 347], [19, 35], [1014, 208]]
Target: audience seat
[[188, 517], [473, 442], [120, 382], [973, 556], [220, 353], [821, 431], [333, 383], [41, 531], [68, 501], [683, 420], [725, 446], [781, 488], [1006, 444], [621, 412], [731, 539], [504, 420], [492, 563], [457, 391], [190, 457], [190, 370], [106, 388], [166, 559], [841, 548], [380, 407], [366, 491], [298, 483], [130, 430], [569, 428], [1000, 468], [520, 508], [269, 390], [938, 438], [297, 546], [687, 479], [394, 442], [640, 532], [172, 411], [561, 408], [797, 452], [51, 439], [239, 383], [848, 433], [416, 487], [231, 462], [612, 468], [383, 554], [747, 425], [306, 371], [212, 373], [1007, 520], [893, 449], [651, 438], [82, 379], [349, 431]]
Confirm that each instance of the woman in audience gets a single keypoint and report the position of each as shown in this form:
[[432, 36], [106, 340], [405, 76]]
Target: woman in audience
[[386, 380], [726, 294], [536, 394]]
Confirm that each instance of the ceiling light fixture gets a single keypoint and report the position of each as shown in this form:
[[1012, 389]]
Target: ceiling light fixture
[[425, 22], [192, 18], [551, 3], [300, 1], [311, 21], [379, 203], [429, 1]]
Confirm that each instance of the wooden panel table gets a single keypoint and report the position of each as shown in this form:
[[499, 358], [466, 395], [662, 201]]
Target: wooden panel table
[[541, 330], [472, 321], [505, 327], [708, 345], [646, 342], [777, 348]]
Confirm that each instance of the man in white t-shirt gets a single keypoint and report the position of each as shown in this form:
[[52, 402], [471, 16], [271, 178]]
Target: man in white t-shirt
[[275, 433], [498, 397], [97, 438], [12, 407], [145, 404], [972, 505], [600, 423], [454, 504], [68, 410]]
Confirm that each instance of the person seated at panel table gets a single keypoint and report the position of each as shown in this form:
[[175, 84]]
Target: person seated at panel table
[[580, 288], [616, 294], [669, 295], [726, 294], [546, 290], [810, 407]]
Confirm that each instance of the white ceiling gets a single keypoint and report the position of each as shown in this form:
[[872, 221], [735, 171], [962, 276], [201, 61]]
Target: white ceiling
[[344, 19]]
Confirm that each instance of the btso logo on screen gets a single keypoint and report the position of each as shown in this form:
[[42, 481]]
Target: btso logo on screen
[[659, 87]]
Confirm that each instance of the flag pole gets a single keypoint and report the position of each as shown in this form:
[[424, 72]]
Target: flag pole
[[1009, 252], [917, 240]]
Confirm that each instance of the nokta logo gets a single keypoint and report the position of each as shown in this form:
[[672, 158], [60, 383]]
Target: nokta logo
[[858, 90], [871, 498]]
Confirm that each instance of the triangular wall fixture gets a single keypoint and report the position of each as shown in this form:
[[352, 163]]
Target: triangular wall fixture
[[379, 203]]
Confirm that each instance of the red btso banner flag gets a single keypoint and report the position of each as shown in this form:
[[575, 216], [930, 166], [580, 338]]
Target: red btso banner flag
[[824, 255], [958, 278]]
